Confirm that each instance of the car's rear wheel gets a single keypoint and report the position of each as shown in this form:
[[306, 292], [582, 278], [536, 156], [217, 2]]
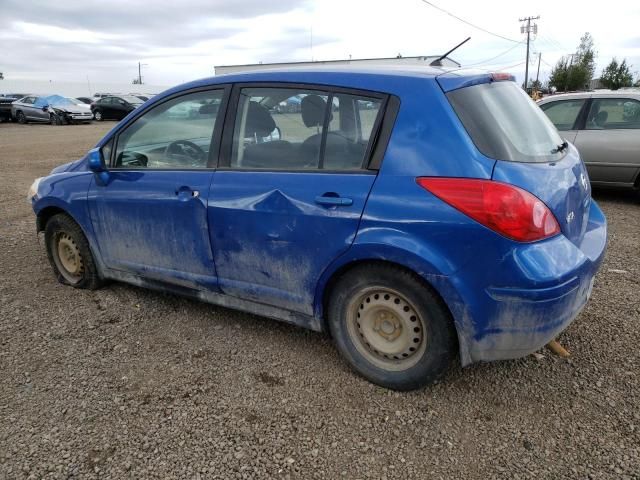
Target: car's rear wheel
[[69, 253], [391, 327], [21, 118], [98, 115]]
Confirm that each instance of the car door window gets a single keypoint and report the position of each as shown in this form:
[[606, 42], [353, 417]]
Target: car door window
[[563, 114], [284, 129], [613, 113], [176, 134], [105, 101], [29, 100]]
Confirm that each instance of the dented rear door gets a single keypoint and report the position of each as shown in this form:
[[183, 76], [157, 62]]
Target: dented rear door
[[274, 233]]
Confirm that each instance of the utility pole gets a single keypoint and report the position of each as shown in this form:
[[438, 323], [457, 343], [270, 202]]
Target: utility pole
[[538, 74], [528, 29], [139, 73]]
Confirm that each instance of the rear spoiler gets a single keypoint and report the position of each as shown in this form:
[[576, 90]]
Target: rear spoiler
[[457, 79]]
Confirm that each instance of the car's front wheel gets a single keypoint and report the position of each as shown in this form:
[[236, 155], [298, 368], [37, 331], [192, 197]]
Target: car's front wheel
[[69, 253], [391, 327], [98, 115]]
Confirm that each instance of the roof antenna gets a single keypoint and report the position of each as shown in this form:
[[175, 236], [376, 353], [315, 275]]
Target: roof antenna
[[438, 61]]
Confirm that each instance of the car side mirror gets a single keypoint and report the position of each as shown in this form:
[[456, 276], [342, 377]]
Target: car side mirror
[[96, 161], [97, 165], [45, 108]]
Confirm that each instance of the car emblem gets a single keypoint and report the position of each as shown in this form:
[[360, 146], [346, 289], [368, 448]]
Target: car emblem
[[570, 217], [583, 180]]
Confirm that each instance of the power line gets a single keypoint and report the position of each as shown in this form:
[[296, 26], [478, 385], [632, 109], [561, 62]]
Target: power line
[[497, 56], [469, 23]]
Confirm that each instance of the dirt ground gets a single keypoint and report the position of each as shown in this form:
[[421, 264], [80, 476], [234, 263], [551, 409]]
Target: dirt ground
[[127, 383]]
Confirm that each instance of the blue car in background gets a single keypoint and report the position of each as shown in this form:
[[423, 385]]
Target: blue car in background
[[416, 215]]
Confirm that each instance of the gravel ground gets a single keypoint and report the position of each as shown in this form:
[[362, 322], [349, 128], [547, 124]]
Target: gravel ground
[[127, 383]]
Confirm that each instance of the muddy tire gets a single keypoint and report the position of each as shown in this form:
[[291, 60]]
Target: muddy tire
[[69, 253], [391, 327], [21, 118], [54, 119]]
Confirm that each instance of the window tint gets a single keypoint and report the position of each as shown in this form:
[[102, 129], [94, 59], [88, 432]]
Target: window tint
[[563, 114], [505, 124], [175, 134], [105, 101], [284, 129], [613, 113]]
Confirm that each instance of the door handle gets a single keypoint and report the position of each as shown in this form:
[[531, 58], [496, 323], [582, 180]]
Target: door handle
[[334, 201], [185, 193]]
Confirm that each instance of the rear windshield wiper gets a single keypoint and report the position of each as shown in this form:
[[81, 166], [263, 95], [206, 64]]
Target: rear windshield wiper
[[560, 147]]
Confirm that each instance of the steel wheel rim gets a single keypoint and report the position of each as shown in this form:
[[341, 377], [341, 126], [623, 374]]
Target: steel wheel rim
[[386, 329], [98, 115], [67, 257]]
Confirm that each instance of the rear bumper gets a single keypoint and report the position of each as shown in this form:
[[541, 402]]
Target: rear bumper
[[549, 284]]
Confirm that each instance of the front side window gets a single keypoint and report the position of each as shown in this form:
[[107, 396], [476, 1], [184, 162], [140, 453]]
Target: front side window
[[613, 113], [563, 114], [176, 134], [302, 129]]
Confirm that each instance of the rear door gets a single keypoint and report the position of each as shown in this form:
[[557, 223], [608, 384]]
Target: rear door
[[610, 141], [289, 193]]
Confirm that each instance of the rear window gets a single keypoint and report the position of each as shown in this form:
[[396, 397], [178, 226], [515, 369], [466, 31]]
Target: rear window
[[505, 124]]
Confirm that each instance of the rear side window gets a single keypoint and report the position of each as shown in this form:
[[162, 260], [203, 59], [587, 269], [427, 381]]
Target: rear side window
[[563, 114], [505, 124], [613, 113], [302, 129]]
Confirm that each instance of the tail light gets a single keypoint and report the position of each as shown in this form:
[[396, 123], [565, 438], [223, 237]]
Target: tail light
[[504, 208]]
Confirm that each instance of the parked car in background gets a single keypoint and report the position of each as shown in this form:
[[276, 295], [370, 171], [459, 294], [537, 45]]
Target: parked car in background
[[54, 109], [86, 100], [102, 94], [605, 127], [5, 104], [115, 107], [418, 215]]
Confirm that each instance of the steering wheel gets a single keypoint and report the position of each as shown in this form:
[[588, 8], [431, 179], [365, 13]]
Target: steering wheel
[[186, 152]]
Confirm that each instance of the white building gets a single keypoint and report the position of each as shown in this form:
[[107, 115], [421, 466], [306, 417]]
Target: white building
[[360, 62]]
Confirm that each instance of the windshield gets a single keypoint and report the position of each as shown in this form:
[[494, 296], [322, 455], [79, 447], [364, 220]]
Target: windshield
[[505, 124], [131, 99]]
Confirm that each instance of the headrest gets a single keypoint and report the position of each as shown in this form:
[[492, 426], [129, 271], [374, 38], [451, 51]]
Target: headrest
[[601, 118], [313, 108], [259, 121]]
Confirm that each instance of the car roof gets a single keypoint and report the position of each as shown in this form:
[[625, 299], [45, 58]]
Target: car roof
[[382, 78], [635, 94]]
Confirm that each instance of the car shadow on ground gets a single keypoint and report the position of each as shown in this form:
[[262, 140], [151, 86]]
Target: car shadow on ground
[[618, 195]]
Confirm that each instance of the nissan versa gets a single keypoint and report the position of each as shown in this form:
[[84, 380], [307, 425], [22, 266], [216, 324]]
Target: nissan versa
[[417, 215]]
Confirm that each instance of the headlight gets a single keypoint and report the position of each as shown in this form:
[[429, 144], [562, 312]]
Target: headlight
[[33, 189]]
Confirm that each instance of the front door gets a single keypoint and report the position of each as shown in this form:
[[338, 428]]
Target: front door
[[150, 215], [610, 141], [289, 195]]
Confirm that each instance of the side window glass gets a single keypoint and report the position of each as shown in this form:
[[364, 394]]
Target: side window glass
[[563, 114], [176, 134], [278, 129], [353, 119], [283, 129], [613, 113]]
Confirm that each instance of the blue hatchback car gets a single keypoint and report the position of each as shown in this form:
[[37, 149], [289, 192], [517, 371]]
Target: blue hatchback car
[[417, 215]]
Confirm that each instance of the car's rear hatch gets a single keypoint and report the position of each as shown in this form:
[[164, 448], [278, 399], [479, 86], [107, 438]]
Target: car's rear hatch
[[506, 125]]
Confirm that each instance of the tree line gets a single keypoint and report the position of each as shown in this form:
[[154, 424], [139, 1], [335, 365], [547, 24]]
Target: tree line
[[575, 72]]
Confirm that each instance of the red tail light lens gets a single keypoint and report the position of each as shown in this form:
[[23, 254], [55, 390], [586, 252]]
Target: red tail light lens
[[504, 208]]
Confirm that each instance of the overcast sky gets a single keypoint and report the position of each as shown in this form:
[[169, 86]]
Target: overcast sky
[[181, 40]]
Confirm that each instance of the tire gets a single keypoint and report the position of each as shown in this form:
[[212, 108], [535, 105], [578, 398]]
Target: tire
[[55, 119], [69, 253], [391, 327], [21, 118], [98, 115]]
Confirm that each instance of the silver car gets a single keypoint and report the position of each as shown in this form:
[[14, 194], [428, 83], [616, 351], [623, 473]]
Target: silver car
[[605, 127], [54, 109]]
